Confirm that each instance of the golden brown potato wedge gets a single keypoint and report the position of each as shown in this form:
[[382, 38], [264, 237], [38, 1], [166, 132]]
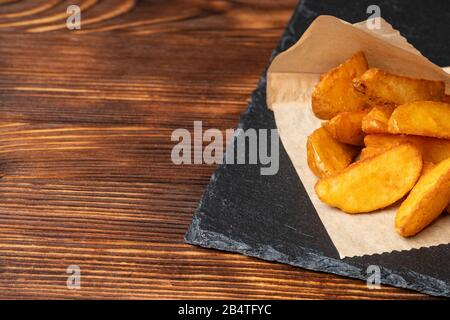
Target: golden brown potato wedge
[[369, 152], [433, 149], [376, 121], [427, 166], [373, 183], [335, 93], [426, 201], [346, 127], [382, 87], [423, 118], [326, 155]]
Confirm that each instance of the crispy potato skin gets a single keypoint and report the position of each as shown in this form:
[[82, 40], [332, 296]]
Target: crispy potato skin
[[376, 121], [335, 93], [382, 87], [446, 98], [346, 127], [369, 152], [427, 167], [326, 155], [432, 149], [426, 202], [374, 183], [423, 118]]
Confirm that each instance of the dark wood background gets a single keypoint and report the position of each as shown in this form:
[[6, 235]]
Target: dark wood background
[[86, 175]]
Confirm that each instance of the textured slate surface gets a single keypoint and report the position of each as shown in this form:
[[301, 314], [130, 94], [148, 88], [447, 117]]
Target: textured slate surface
[[240, 211]]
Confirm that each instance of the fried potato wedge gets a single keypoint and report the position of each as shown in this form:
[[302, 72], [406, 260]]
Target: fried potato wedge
[[326, 155], [369, 152], [335, 93], [433, 149], [427, 167], [373, 183], [376, 121], [423, 118], [382, 87], [426, 201], [346, 127]]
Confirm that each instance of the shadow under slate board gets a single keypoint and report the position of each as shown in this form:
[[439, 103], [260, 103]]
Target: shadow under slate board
[[272, 218]]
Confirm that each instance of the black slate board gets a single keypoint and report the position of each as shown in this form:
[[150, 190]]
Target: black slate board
[[239, 211]]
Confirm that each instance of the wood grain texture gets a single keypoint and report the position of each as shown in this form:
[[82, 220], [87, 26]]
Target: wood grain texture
[[85, 124]]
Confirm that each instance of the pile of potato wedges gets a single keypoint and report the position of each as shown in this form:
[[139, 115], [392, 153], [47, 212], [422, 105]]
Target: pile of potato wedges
[[385, 141]]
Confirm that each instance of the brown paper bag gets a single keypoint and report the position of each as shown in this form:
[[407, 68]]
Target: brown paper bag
[[291, 80]]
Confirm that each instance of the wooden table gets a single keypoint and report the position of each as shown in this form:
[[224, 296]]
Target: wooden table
[[86, 121]]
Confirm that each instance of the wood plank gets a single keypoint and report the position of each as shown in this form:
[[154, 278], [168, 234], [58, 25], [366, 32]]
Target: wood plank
[[87, 180]]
